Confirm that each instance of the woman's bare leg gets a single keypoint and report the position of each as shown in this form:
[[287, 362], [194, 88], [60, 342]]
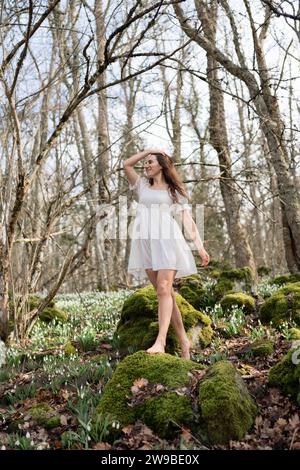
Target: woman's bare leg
[[178, 326], [165, 278], [176, 319]]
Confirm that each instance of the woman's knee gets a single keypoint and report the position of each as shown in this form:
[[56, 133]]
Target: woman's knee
[[164, 287]]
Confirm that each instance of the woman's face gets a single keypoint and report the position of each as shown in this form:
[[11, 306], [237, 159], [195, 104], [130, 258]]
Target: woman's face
[[151, 166]]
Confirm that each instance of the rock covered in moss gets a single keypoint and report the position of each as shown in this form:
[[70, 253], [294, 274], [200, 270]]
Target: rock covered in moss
[[223, 286], [191, 289], [286, 374], [241, 278], [240, 299], [261, 348], [48, 314], [53, 313], [138, 325], [285, 279], [69, 349], [294, 333], [226, 408], [228, 280], [161, 402], [44, 415], [283, 305]]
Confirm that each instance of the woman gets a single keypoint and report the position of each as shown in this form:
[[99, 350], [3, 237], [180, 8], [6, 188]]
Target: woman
[[160, 249]]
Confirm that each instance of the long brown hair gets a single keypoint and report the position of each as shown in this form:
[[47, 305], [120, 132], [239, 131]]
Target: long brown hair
[[171, 176]]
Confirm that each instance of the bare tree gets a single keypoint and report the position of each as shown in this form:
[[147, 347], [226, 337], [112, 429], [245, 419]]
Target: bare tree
[[267, 108]]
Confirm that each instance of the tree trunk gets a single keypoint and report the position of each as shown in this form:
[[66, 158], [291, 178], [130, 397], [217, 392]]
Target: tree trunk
[[267, 109], [218, 138]]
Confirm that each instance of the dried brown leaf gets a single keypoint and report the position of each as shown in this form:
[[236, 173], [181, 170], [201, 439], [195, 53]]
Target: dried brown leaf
[[138, 384], [294, 421], [102, 446], [63, 420]]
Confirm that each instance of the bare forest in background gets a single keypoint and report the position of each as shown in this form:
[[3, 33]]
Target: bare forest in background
[[87, 83]]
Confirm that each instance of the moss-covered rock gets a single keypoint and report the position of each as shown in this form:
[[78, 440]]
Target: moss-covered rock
[[233, 280], [159, 407], [226, 408], [283, 305], [191, 289], [286, 374], [240, 299], [48, 314], [138, 325], [33, 302], [69, 349], [222, 287], [294, 333], [239, 274], [51, 313], [44, 415], [218, 265], [261, 348], [285, 279]]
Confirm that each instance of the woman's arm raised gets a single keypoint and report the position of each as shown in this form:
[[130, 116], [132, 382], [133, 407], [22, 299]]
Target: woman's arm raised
[[128, 164]]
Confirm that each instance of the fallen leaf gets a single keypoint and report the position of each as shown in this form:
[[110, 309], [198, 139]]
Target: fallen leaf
[[294, 421], [105, 346], [102, 446], [63, 420], [138, 384]]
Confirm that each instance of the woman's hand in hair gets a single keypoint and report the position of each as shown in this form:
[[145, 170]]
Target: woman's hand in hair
[[155, 151]]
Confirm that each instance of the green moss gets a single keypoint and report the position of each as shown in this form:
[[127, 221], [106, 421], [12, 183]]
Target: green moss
[[215, 273], [263, 271], [48, 314], [34, 301], [45, 416], [241, 274], [220, 265], [240, 299], [69, 349], [138, 325], [262, 348], [222, 287], [192, 290], [166, 413], [158, 411], [283, 305], [286, 278], [51, 313], [226, 408], [294, 333], [286, 374], [228, 278]]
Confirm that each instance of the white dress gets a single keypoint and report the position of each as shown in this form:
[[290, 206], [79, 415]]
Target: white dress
[[157, 241]]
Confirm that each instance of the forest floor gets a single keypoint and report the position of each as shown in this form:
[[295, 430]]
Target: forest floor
[[65, 389]]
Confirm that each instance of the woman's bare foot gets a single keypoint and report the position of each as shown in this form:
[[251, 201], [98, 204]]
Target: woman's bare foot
[[156, 348], [185, 350]]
